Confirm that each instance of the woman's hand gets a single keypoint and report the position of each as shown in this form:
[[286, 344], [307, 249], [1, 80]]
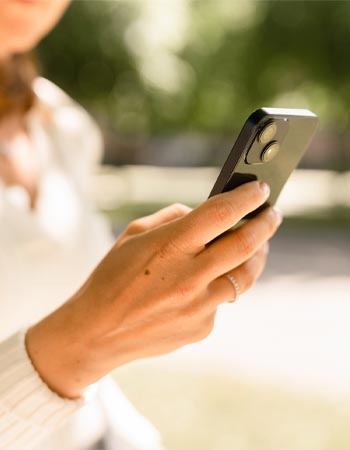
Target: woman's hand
[[152, 221], [156, 290]]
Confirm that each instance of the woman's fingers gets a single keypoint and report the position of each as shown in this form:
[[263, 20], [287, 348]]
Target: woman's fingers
[[245, 275], [158, 218], [146, 223], [238, 246], [217, 215]]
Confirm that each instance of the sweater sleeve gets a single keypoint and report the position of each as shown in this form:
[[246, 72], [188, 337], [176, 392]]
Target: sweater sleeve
[[28, 408]]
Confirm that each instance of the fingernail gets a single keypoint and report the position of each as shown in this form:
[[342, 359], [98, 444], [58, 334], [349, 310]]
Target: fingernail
[[265, 188], [278, 214]]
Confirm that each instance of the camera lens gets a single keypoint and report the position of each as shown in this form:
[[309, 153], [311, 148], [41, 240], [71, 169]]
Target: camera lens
[[270, 151], [267, 133]]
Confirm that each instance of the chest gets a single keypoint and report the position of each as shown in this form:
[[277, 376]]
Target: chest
[[45, 252]]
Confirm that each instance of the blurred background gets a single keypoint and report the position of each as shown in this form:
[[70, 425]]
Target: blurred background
[[171, 82]]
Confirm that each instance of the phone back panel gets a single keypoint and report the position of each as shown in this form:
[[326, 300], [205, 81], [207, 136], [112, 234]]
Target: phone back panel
[[301, 126]]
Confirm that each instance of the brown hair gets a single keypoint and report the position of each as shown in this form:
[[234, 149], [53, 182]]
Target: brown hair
[[16, 77]]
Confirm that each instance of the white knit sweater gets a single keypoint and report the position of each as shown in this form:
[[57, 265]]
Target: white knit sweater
[[44, 257], [28, 408]]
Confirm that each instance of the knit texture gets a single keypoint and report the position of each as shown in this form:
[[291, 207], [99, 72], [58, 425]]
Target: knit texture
[[28, 408]]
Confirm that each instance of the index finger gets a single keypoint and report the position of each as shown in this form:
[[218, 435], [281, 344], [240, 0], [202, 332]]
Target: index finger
[[218, 214]]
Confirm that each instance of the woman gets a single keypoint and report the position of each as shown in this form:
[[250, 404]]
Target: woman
[[156, 290]]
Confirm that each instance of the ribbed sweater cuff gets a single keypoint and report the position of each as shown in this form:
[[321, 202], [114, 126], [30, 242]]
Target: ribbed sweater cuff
[[28, 408]]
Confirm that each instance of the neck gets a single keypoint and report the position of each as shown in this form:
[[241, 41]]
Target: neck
[[10, 125], [4, 57]]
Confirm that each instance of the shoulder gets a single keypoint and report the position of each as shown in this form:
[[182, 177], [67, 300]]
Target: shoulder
[[70, 122]]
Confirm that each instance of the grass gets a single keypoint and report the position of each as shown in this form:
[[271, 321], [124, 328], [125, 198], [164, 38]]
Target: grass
[[196, 411]]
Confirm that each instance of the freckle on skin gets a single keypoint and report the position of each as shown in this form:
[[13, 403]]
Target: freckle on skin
[[147, 272], [162, 278]]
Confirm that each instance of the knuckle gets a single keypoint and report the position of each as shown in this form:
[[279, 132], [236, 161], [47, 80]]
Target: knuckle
[[246, 242], [263, 257], [173, 243], [250, 279], [169, 249], [180, 208], [223, 211], [271, 221], [186, 289], [136, 226], [262, 252], [271, 225], [252, 269], [165, 251]]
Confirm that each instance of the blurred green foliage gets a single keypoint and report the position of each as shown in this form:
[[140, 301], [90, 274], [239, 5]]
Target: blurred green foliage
[[228, 58], [199, 68]]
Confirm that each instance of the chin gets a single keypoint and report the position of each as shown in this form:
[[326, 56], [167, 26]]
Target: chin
[[22, 45], [17, 37], [24, 22]]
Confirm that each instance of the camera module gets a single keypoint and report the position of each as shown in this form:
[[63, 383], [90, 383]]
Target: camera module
[[268, 141], [270, 151], [267, 133]]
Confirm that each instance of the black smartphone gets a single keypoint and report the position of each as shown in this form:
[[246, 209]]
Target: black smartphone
[[268, 148]]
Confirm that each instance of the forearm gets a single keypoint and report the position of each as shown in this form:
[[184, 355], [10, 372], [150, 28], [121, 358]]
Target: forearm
[[64, 350]]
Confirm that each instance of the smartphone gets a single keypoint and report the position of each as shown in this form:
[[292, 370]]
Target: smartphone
[[268, 148]]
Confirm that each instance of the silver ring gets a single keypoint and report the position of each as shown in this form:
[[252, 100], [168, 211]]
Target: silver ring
[[235, 285]]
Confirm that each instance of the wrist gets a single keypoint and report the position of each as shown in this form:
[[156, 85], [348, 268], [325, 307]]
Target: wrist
[[59, 355]]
